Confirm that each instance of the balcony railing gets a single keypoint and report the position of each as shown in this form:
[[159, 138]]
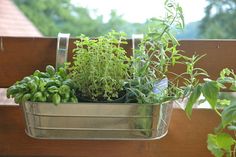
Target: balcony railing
[[186, 138]]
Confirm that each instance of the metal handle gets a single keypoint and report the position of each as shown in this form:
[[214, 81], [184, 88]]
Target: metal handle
[[62, 49], [136, 39]]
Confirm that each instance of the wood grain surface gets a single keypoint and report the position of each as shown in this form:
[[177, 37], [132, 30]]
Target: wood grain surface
[[20, 56], [186, 138]]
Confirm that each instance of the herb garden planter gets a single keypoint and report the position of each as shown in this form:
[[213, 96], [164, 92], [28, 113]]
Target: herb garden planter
[[101, 71], [96, 120], [93, 119]]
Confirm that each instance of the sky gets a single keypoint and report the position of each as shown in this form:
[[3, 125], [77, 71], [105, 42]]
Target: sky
[[140, 10]]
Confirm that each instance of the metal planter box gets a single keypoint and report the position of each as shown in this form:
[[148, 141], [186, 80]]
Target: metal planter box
[[121, 121]]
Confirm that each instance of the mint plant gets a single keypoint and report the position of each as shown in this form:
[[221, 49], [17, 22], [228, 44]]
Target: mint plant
[[50, 86], [221, 143]]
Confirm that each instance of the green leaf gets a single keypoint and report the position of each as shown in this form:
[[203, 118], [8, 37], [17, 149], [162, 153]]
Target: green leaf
[[53, 89], [73, 99], [37, 96], [18, 98], [64, 89], [213, 146], [12, 91], [26, 79], [223, 102], [62, 72], [225, 141], [220, 143], [192, 100], [210, 91], [32, 86], [36, 79], [228, 115], [50, 83], [68, 82], [42, 85], [26, 97], [233, 86], [43, 75], [50, 70], [56, 99], [187, 90], [36, 73], [143, 68]]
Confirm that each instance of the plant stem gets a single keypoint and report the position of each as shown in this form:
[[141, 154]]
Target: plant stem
[[234, 151], [167, 27], [217, 112]]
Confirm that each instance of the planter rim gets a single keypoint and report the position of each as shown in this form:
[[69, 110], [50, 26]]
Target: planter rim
[[98, 103]]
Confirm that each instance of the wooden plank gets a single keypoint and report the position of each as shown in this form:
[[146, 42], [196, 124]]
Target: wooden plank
[[219, 54], [20, 56], [185, 139]]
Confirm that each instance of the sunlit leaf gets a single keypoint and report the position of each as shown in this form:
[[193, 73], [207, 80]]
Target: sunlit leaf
[[228, 115], [192, 100], [210, 91]]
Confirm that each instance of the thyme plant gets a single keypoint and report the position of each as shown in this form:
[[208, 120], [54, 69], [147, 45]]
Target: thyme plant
[[100, 66]]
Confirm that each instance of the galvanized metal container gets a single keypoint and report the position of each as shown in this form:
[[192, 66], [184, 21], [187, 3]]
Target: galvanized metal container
[[121, 121]]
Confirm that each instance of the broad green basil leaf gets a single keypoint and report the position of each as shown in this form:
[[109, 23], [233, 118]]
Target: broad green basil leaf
[[68, 82], [12, 91], [50, 70], [37, 96], [51, 83], [62, 72], [53, 89], [36, 73], [18, 98], [42, 85], [56, 99], [32, 86], [73, 99], [64, 89], [26, 79], [26, 97]]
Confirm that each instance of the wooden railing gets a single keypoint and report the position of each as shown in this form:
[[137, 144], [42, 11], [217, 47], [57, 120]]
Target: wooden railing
[[186, 138]]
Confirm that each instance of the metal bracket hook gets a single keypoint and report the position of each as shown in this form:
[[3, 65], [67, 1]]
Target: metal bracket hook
[[136, 39], [1, 45], [62, 49]]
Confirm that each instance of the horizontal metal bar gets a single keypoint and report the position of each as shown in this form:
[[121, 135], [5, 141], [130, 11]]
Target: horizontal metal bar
[[87, 116], [134, 138], [87, 129]]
